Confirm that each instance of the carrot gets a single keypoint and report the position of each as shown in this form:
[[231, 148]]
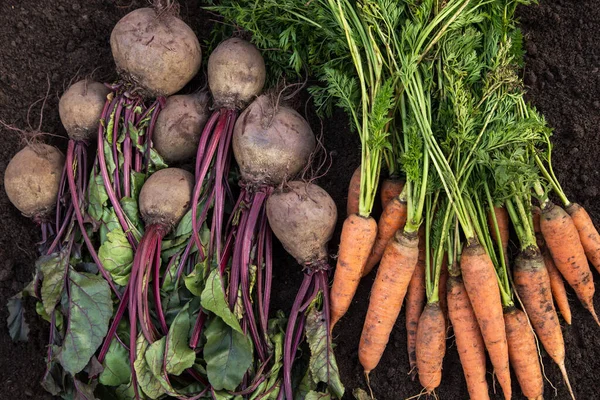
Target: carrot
[[390, 188], [482, 287], [358, 235], [353, 193], [392, 219], [588, 234], [556, 280], [393, 276], [533, 286], [562, 240], [431, 346], [523, 353], [415, 301], [558, 287], [469, 341]]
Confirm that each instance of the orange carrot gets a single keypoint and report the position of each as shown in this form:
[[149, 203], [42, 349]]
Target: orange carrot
[[390, 188], [431, 346], [588, 234], [393, 276], [469, 341], [358, 235], [556, 280], [562, 240], [482, 287], [353, 193], [392, 219], [558, 287], [415, 301], [523, 353], [532, 283]]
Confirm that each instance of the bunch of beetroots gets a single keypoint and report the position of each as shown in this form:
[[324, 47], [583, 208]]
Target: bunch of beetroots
[[156, 281]]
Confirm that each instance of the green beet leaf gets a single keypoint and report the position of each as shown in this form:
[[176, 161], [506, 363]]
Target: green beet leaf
[[97, 197], [130, 208], [155, 355], [117, 255], [145, 378], [83, 391], [90, 309], [17, 327], [53, 268], [117, 369], [228, 355], [312, 395], [213, 299], [323, 366], [179, 355]]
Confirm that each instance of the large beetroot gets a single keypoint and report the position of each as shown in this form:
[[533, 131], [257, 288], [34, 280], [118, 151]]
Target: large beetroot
[[303, 217]]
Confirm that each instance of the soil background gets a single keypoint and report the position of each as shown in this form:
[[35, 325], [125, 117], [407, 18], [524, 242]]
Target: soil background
[[56, 40]]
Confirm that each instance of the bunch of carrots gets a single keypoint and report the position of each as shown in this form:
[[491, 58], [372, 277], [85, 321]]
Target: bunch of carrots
[[434, 92]]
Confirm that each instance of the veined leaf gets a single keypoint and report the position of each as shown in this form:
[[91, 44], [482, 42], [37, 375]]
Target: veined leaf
[[117, 368], [323, 366], [155, 355], [228, 355], [90, 309], [53, 268], [146, 379], [97, 197], [179, 355], [117, 255], [130, 208], [213, 299]]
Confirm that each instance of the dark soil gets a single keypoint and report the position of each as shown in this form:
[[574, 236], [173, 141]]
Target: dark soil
[[57, 39]]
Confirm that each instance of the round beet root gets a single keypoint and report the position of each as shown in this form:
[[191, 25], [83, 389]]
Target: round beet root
[[80, 109], [236, 73], [303, 217], [165, 197], [32, 179], [156, 51], [271, 143], [179, 126]]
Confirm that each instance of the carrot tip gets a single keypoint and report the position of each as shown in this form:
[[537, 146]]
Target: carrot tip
[[563, 371]]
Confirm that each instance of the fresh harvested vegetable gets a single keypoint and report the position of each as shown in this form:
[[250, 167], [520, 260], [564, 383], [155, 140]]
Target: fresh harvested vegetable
[[482, 287], [415, 302], [391, 283], [155, 51], [164, 199], [358, 237], [392, 219], [32, 180], [390, 188], [588, 234], [469, 341], [533, 285], [303, 217], [523, 353], [179, 126], [236, 73], [562, 239], [353, 193], [431, 346], [558, 286], [80, 108]]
